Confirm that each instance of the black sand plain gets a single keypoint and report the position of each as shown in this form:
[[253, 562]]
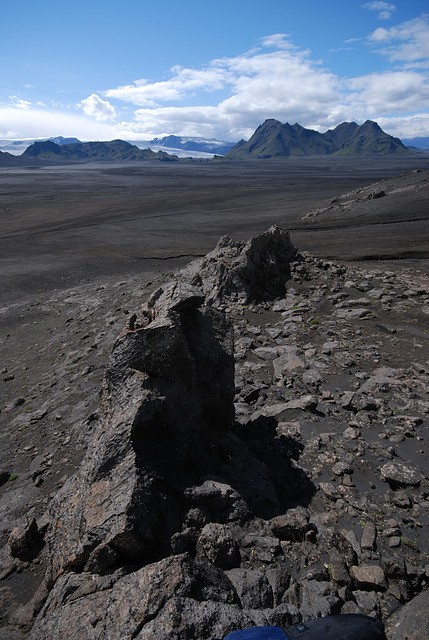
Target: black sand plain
[[66, 224]]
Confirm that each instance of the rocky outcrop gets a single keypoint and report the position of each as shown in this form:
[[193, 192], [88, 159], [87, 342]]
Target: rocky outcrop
[[164, 472], [167, 403], [238, 271], [255, 481]]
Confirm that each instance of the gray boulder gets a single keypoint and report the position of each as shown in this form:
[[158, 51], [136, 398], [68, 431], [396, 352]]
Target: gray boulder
[[293, 525], [25, 541], [253, 588], [369, 577], [400, 474], [217, 545], [187, 619], [318, 599]]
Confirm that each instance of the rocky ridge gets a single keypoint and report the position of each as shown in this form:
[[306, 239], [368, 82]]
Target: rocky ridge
[[407, 188], [313, 501]]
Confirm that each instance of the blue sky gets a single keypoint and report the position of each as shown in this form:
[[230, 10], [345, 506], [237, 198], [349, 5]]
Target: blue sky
[[138, 69]]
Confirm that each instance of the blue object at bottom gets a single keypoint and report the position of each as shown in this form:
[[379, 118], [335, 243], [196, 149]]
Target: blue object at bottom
[[258, 633]]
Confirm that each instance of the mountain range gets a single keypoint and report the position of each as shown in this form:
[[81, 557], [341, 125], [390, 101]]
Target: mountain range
[[272, 139], [85, 151], [420, 143]]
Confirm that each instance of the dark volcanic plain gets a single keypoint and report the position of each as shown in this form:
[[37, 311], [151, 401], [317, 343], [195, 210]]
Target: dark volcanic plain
[[63, 225], [82, 246]]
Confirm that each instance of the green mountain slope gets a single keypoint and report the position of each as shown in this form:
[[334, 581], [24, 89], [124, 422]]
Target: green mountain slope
[[116, 150], [272, 139]]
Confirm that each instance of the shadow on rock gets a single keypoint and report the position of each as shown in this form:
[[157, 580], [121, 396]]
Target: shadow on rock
[[280, 454]]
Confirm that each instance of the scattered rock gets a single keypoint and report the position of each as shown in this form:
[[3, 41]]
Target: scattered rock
[[368, 577], [218, 546], [400, 474], [292, 526], [338, 568], [25, 541], [369, 536], [4, 477], [252, 587]]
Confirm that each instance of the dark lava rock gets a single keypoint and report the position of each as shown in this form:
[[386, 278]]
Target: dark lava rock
[[218, 545], [369, 577], [252, 587], [184, 522], [120, 606], [292, 526], [4, 477]]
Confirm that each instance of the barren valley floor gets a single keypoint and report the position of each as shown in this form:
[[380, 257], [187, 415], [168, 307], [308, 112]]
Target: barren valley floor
[[67, 224]]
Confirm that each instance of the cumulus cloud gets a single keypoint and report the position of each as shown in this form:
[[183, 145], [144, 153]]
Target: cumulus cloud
[[407, 42], [394, 92], [406, 126], [183, 83], [384, 9], [101, 109], [282, 85], [278, 80]]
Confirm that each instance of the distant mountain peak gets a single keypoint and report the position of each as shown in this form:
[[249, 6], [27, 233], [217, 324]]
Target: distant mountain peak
[[194, 144], [62, 140]]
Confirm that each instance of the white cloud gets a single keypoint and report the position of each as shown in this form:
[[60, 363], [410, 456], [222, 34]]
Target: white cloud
[[283, 85], [408, 41], [277, 41], [36, 123], [288, 85], [101, 109], [385, 9], [19, 103], [407, 126], [394, 92], [184, 82], [204, 121]]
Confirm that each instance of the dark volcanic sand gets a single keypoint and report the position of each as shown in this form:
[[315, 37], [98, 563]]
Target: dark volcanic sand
[[63, 225]]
